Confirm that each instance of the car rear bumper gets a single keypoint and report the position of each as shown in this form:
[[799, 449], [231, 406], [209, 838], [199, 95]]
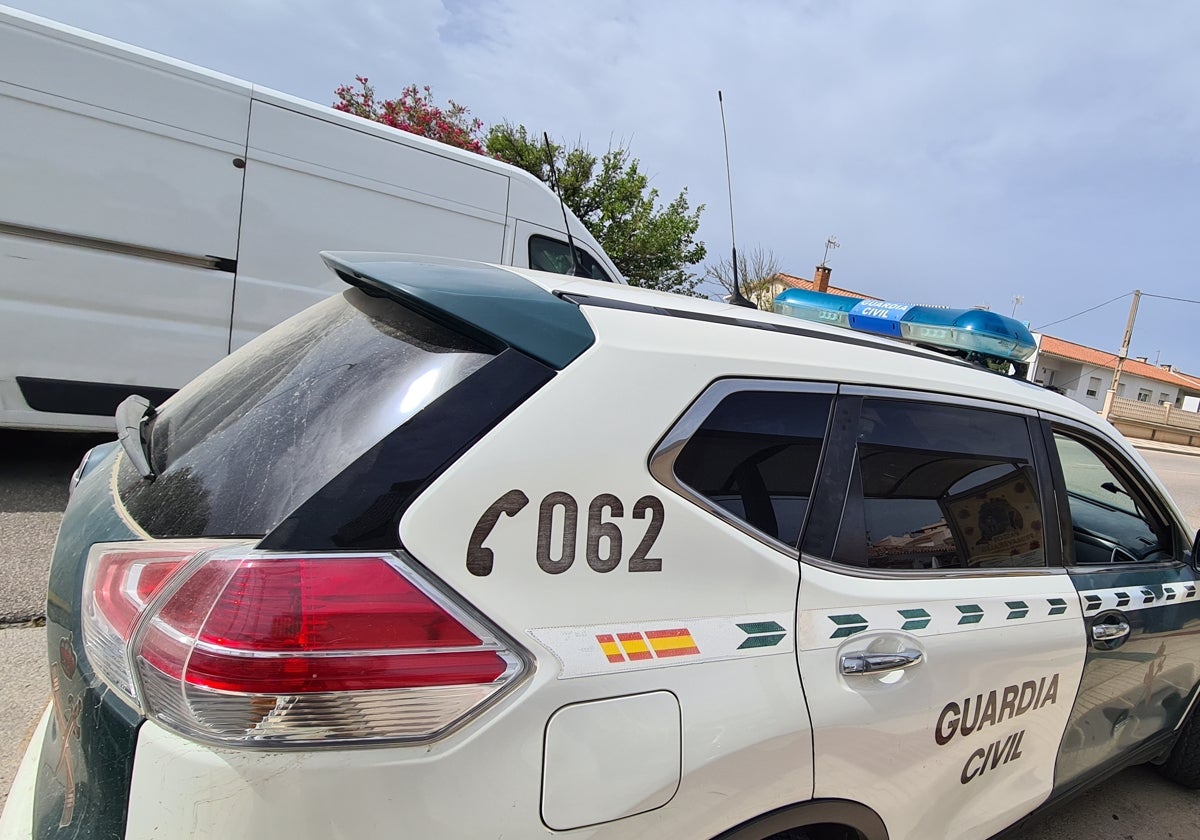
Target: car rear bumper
[[16, 823]]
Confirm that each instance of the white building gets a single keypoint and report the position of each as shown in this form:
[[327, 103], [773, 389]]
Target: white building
[[1085, 374]]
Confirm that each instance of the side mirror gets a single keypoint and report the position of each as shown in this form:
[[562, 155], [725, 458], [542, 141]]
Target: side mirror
[[1196, 552]]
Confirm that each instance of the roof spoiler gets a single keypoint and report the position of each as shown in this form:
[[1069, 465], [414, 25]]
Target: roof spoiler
[[491, 304]]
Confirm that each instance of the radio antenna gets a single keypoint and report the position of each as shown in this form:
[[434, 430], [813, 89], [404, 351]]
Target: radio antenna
[[736, 298], [562, 204]]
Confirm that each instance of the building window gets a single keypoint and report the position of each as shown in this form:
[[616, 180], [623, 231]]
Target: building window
[[1164, 398], [1144, 395], [1093, 386], [1121, 390]]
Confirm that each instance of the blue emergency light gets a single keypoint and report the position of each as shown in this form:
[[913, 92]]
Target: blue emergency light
[[965, 332]]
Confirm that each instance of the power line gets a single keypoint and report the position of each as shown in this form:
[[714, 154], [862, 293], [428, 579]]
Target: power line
[[1168, 297], [1086, 311]]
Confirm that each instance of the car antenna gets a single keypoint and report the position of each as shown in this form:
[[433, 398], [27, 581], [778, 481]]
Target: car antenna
[[561, 203], [736, 298]]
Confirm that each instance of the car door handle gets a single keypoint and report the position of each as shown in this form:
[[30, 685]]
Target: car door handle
[[1109, 630], [874, 663]]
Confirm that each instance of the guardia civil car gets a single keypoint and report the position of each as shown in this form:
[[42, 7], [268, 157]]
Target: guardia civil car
[[475, 552]]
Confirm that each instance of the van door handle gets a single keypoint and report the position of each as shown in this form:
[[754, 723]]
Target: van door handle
[[874, 663]]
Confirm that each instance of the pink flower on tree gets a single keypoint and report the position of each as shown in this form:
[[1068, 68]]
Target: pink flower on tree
[[415, 112]]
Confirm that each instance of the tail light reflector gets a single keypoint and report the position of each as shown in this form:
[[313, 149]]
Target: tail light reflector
[[247, 647]]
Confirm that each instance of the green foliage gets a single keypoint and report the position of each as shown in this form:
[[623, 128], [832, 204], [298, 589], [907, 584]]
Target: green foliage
[[652, 245]]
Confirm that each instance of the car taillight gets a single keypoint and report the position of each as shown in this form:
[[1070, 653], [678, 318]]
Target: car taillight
[[254, 648], [118, 585]]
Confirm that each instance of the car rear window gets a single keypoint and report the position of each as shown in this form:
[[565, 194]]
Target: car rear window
[[256, 435], [756, 455]]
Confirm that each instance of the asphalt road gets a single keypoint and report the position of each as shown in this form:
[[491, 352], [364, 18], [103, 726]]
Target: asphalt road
[[34, 470], [1134, 805]]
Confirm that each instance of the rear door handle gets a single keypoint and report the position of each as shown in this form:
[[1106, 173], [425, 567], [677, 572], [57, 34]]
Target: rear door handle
[[874, 663], [1110, 630]]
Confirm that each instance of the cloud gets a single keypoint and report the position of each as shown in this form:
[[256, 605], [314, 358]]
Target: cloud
[[962, 152]]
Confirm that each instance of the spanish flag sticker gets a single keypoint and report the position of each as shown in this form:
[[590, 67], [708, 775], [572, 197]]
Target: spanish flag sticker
[[652, 644], [585, 650]]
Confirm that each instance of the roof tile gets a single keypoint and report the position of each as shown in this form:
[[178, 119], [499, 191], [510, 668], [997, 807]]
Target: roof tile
[[792, 282], [1098, 358]]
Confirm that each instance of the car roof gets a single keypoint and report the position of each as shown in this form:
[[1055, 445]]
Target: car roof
[[514, 313]]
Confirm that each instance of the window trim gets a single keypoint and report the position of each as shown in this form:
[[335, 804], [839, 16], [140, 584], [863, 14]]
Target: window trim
[[840, 451], [662, 459], [1111, 454], [913, 395]]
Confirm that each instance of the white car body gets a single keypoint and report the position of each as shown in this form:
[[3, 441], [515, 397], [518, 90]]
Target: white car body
[[702, 691], [156, 216]]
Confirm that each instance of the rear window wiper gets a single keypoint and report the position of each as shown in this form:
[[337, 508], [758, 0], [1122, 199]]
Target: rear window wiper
[[133, 430]]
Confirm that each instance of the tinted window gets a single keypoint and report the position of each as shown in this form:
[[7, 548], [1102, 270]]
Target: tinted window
[[254, 436], [1108, 513], [756, 457], [546, 254], [941, 487]]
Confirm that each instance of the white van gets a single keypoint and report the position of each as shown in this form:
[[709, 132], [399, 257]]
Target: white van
[[155, 216]]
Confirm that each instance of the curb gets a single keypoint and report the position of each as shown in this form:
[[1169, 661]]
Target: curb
[[1155, 446]]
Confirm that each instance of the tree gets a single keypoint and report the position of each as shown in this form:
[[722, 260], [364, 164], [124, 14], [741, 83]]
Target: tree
[[756, 270], [653, 245], [414, 111]]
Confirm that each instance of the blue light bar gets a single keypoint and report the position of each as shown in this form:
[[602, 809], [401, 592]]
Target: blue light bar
[[963, 330]]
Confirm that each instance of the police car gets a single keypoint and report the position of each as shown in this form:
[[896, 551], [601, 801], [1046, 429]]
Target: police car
[[472, 552]]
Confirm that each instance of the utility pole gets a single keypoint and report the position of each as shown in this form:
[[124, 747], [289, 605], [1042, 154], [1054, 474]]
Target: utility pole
[[1112, 392]]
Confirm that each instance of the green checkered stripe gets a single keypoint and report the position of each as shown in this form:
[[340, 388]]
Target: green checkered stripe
[[823, 628], [1132, 598]]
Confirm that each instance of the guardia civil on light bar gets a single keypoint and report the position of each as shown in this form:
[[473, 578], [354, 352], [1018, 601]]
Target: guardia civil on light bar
[[468, 551]]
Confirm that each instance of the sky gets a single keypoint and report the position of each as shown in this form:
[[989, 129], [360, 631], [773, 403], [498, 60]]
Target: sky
[[963, 154]]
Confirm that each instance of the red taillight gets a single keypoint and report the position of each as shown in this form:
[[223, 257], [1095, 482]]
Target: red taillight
[[309, 604], [127, 580], [251, 647], [120, 581]]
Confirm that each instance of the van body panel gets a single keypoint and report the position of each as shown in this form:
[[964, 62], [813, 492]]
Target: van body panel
[[44, 56], [527, 205], [340, 146], [156, 215], [65, 320], [297, 161]]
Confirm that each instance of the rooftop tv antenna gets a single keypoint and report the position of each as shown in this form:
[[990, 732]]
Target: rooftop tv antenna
[[736, 298], [831, 244]]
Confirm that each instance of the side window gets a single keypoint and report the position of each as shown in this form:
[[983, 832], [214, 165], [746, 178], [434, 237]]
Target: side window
[[1111, 521], [941, 487], [546, 254], [756, 455]]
